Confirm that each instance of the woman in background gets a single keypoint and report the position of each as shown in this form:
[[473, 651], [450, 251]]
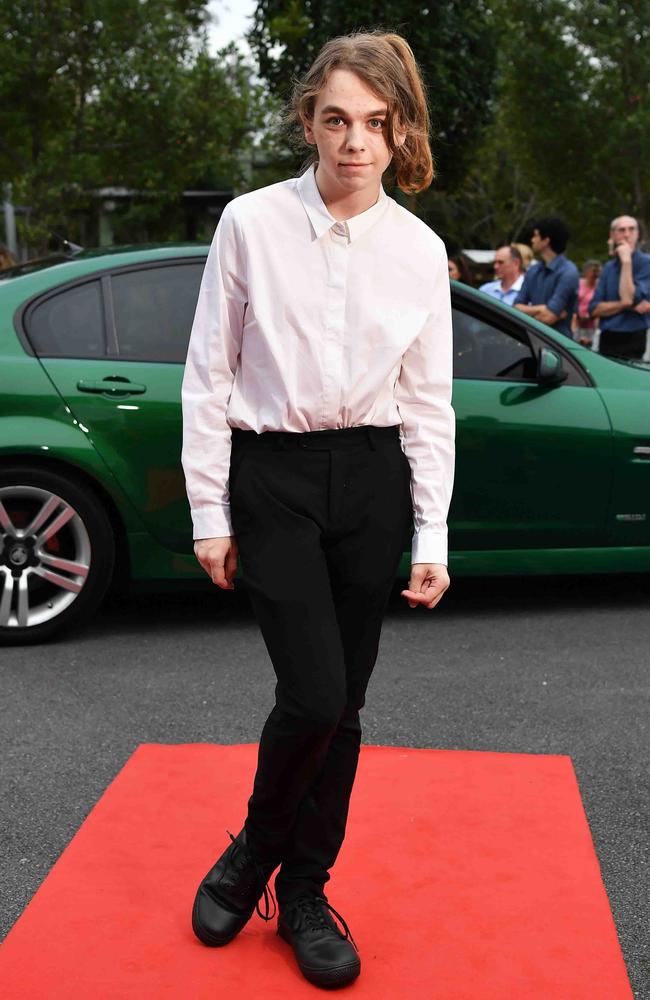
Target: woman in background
[[526, 253], [459, 269], [583, 325]]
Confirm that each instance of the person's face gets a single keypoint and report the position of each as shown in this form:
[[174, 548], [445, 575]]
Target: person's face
[[539, 243], [506, 269], [454, 273], [626, 230], [349, 130], [592, 274]]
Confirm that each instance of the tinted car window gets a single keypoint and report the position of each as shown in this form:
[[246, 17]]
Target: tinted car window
[[482, 350], [154, 308], [69, 324]]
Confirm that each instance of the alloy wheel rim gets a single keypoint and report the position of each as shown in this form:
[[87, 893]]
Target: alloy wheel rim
[[45, 556]]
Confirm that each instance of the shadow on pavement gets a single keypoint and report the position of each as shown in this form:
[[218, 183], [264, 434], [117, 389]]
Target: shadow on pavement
[[168, 608]]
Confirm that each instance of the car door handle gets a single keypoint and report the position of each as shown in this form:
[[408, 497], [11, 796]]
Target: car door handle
[[642, 449], [113, 385]]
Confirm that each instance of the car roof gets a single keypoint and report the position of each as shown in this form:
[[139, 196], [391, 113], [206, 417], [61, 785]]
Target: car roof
[[107, 256]]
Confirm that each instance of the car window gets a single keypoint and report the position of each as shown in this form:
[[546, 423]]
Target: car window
[[482, 350], [154, 308], [69, 324]]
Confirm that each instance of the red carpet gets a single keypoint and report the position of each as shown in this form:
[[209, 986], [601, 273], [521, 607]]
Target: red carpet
[[464, 876]]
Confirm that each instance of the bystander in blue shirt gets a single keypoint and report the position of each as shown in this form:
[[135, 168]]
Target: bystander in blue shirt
[[627, 320], [494, 289], [554, 285]]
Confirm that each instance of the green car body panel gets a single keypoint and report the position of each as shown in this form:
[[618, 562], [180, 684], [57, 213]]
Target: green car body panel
[[547, 477]]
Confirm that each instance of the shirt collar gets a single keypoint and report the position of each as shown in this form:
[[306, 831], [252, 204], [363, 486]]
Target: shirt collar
[[322, 220], [514, 287], [556, 262]]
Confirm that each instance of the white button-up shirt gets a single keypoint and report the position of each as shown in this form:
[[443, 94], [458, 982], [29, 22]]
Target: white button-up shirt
[[304, 323]]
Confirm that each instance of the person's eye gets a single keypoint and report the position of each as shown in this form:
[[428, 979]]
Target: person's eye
[[335, 118], [378, 121]]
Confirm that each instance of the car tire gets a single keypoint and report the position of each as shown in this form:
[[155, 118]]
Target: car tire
[[57, 554]]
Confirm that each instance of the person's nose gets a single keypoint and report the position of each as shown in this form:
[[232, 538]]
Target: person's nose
[[354, 139]]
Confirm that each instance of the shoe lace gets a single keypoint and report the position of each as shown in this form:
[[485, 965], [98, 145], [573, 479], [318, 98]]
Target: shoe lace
[[243, 859], [310, 911]]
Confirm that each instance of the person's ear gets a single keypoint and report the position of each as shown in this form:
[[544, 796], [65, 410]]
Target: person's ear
[[309, 132]]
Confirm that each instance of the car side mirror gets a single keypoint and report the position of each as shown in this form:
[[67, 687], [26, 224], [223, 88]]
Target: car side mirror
[[550, 369]]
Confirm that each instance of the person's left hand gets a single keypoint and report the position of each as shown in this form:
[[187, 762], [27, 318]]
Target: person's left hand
[[642, 307], [427, 584]]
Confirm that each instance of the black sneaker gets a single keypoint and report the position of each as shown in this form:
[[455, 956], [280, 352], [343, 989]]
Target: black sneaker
[[230, 892], [325, 956]]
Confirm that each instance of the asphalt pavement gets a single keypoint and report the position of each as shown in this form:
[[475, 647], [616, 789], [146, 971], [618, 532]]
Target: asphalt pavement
[[546, 666]]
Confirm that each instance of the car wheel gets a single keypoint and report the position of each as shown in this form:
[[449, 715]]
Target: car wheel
[[57, 553]]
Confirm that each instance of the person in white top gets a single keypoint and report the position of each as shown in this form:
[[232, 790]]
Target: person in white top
[[317, 432]]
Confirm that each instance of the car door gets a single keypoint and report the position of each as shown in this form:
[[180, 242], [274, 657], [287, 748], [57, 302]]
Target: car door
[[115, 348], [534, 463]]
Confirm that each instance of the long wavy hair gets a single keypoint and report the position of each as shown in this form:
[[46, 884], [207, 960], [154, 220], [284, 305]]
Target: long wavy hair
[[386, 64]]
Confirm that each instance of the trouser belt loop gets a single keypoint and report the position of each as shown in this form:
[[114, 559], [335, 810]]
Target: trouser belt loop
[[371, 438]]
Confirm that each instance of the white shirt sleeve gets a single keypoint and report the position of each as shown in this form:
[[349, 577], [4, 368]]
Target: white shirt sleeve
[[212, 358], [423, 396]]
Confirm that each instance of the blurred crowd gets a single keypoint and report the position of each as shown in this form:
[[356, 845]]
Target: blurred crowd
[[605, 308]]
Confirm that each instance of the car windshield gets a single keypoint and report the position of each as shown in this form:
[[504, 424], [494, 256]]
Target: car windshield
[[29, 266]]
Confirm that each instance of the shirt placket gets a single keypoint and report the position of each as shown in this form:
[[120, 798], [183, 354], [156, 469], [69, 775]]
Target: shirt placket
[[337, 250]]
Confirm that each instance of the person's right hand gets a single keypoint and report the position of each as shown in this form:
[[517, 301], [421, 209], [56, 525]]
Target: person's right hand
[[624, 251], [218, 557]]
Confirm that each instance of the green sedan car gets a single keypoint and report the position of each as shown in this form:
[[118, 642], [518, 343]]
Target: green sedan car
[[553, 459]]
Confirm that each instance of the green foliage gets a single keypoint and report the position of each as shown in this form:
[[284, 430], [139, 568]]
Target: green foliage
[[616, 36], [574, 96], [538, 106], [101, 93], [496, 200]]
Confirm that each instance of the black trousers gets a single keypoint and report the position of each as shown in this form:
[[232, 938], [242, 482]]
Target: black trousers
[[320, 519], [623, 344]]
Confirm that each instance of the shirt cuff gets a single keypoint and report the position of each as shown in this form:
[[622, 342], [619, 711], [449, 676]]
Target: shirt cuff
[[429, 547], [212, 522]]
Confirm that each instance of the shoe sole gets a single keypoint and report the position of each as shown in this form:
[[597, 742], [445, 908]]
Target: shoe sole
[[327, 978]]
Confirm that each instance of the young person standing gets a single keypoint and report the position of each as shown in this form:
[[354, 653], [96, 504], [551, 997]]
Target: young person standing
[[318, 429], [550, 287]]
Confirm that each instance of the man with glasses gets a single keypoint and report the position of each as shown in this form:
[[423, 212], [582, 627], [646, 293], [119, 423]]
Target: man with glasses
[[622, 298]]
